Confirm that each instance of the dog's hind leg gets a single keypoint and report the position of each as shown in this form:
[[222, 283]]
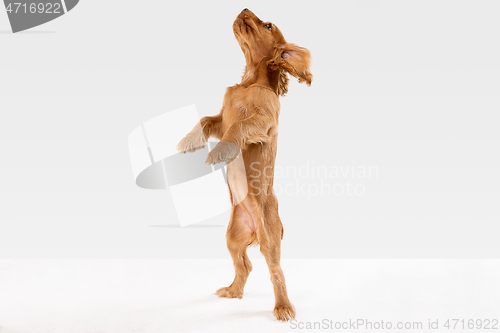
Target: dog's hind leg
[[238, 238], [270, 246]]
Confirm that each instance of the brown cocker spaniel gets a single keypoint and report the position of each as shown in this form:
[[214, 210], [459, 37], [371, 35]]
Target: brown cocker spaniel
[[247, 127]]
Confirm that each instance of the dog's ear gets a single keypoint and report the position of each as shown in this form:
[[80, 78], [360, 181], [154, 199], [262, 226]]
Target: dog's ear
[[292, 59]]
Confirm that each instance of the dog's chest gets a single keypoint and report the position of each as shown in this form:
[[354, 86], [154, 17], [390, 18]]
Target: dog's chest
[[237, 106], [242, 102], [241, 108], [239, 102]]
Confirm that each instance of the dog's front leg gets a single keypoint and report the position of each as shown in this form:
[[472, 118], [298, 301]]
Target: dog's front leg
[[209, 126], [255, 129]]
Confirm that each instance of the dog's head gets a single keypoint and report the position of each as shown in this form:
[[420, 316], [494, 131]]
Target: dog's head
[[263, 41]]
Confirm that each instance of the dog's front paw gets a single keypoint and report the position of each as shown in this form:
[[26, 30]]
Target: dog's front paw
[[191, 143], [284, 312], [229, 292], [223, 152]]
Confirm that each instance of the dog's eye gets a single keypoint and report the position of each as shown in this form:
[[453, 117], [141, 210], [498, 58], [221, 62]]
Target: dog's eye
[[268, 26]]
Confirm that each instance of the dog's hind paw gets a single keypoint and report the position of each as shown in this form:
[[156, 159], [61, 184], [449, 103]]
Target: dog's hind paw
[[284, 312], [229, 292]]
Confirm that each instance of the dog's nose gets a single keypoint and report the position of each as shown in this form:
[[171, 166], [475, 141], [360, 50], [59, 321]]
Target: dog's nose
[[245, 10]]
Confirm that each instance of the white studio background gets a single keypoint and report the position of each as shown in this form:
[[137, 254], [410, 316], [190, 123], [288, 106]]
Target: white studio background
[[409, 88]]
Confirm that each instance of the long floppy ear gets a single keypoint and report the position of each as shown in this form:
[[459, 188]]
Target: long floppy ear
[[293, 59]]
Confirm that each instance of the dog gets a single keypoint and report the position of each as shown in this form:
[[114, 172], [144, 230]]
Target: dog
[[247, 129]]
